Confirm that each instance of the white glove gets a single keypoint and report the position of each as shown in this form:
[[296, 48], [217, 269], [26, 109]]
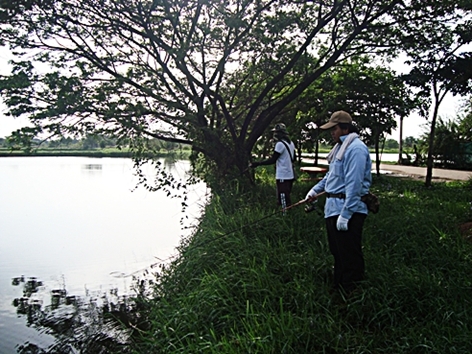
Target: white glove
[[341, 224], [311, 195]]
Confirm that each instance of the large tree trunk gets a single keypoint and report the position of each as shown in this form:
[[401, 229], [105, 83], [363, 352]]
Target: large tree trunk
[[229, 164]]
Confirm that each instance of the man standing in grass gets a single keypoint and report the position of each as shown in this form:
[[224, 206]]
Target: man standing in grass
[[348, 179], [283, 157]]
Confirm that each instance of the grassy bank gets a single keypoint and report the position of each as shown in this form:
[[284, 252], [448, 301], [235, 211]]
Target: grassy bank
[[254, 281]]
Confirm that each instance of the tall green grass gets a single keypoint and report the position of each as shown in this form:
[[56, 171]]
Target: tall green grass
[[251, 280]]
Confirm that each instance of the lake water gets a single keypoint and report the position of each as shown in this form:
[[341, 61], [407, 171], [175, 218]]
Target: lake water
[[77, 225]]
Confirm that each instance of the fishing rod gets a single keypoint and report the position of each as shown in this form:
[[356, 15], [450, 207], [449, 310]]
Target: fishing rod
[[303, 201]]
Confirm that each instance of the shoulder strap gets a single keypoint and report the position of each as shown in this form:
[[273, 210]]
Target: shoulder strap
[[289, 154]]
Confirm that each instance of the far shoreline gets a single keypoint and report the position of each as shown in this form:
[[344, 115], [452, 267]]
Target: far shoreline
[[84, 153]]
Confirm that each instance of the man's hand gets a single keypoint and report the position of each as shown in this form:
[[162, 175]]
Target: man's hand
[[341, 224], [311, 195]]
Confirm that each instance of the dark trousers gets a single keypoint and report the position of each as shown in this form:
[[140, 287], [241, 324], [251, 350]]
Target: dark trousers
[[346, 247], [284, 187]]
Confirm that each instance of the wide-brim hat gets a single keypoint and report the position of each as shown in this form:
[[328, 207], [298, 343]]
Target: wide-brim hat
[[336, 118]]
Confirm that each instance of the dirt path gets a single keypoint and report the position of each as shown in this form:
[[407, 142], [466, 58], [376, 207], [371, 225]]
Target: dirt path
[[413, 171], [420, 172]]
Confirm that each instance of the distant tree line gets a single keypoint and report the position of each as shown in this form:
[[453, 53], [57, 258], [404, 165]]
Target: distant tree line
[[91, 142]]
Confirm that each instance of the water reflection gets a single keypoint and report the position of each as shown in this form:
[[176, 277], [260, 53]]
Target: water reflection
[[92, 167], [88, 324], [61, 221]]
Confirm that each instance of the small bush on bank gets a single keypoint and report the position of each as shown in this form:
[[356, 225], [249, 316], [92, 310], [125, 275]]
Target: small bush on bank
[[251, 280]]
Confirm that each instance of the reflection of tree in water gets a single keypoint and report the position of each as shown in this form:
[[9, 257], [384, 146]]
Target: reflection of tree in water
[[89, 324]]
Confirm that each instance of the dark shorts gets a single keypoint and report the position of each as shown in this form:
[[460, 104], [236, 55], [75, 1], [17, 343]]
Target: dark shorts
[[284, 187]]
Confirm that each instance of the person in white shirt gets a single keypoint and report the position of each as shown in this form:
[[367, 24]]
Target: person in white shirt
[[347, 181], [283, 158]]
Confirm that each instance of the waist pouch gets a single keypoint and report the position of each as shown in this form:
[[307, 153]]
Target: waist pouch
[[370, 199]]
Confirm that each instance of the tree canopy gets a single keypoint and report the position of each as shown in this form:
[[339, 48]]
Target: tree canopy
[[376, 96], [442, 62], [372, 93], [211, 74]]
